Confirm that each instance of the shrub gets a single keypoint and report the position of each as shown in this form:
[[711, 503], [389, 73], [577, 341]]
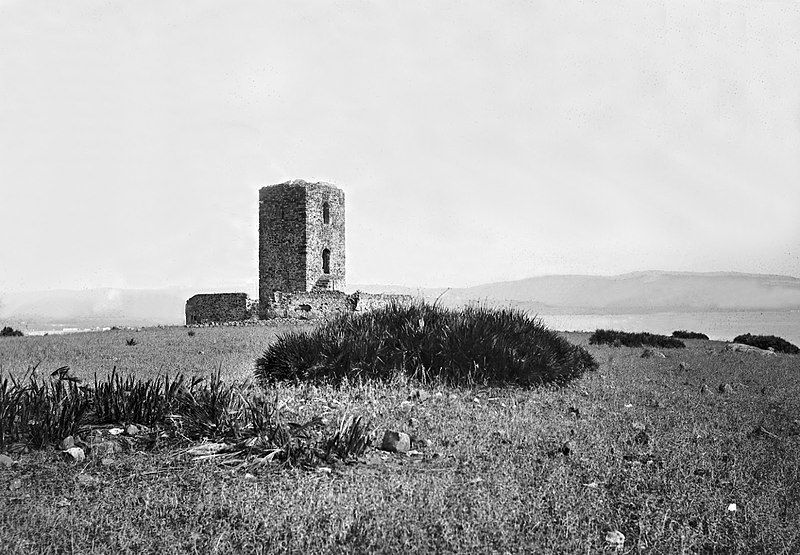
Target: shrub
[[134, 400], [475, 344], [130, 342], [683, 334], [8, 331], [778, 344], [616, 338]]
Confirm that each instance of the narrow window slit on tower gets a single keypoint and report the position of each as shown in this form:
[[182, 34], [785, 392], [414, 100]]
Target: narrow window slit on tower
[[326, 213], [326, 261]]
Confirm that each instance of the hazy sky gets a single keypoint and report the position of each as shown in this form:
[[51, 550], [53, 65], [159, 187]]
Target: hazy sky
[[475, 141]]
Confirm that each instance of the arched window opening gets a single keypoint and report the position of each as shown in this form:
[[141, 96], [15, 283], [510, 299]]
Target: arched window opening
[[326, 213], [326, 261]]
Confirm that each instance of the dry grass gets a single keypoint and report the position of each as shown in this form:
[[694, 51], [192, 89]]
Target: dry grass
[[636, 446]]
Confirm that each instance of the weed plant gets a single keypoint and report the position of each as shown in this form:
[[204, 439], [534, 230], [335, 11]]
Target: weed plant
[[37, 413], [427, 342], [642, 339], [778, 344], [683, 334]]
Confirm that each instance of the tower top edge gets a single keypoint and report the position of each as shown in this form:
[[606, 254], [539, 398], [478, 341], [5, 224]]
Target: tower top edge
[[301, 183]]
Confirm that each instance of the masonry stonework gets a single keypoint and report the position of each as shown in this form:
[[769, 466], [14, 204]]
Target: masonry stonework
[[301, 261], [301, 230], [217, 307]]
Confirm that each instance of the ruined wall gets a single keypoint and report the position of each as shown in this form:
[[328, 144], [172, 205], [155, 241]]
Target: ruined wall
[[371, 301], [217, 307], [307, 305], [321, 235], [323, 304]]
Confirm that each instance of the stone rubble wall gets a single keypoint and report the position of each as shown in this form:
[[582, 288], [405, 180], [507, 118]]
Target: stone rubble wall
[[217, 307], [323, 304]]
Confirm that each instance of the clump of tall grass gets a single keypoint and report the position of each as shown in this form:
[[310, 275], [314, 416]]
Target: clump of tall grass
[[135, 400], [427, 342], [38, 413], [684, 334], [642, 339], [778, 344]]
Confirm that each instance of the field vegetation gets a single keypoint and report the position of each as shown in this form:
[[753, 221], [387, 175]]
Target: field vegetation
[[684, 334], [627, 339], [653, 448], [427, 343], [778, 344]]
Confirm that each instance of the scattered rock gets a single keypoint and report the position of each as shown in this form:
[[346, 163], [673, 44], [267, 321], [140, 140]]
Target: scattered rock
[[705, 390], [742, 348], [249, 476], [732, 508], [652, 353], [63, 503], [6, 461], [476, 481], [395, 442], [615, 538], [131, 430], [413, 422], [405, 405], [67, 443], [106, 448], [115, 431], [74, 454], [568, 448], [638, 426], [725, 388], [683, 367], [14, 484], [107, 462]]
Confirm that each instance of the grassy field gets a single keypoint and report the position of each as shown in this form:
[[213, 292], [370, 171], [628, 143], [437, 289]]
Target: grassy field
[[639, 446]]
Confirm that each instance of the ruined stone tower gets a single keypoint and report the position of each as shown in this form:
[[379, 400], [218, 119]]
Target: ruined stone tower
[[300, 239]]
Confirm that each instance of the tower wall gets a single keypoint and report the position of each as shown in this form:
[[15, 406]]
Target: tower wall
[[321, 236], [281, 240]]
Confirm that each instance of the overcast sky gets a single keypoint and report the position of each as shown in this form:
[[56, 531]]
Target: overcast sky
[[475, 141]]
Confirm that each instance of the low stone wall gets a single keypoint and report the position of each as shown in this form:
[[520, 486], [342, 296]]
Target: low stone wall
[[320, 304], [217, 307], [234, 308]]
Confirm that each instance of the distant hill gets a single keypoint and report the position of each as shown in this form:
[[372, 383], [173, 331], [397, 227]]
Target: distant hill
[[639, 292]]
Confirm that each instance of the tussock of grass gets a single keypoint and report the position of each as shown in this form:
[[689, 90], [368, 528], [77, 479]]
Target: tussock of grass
[[683, 334], [642, 339], [38, 413], [425, 342], [779, 344]]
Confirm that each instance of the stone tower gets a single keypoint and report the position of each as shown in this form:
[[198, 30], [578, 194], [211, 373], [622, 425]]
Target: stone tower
[[300, 239]]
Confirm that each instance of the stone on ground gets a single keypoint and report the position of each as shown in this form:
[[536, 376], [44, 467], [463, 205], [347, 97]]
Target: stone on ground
[[74, 454], [395, 442]]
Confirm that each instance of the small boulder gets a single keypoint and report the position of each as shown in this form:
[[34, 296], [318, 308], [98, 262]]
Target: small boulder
[[67, 443], [87, 479], [725, 388], [131, 430], [615, 538], [74, 454], [395, 442], [6, 461], [683, 367], [421, 395], [705, 390]]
